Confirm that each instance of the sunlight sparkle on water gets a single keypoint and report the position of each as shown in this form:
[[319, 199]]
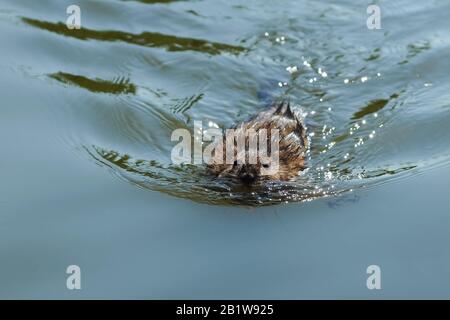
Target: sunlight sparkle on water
[[292, 69]]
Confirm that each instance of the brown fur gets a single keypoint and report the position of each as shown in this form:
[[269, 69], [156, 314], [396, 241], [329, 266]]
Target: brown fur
[[293, 146]]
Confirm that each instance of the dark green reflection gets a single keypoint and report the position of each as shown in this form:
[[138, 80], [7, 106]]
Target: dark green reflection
[[145, 39], [96, 85], [372, 107]]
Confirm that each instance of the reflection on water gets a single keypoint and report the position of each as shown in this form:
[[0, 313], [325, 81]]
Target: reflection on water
[[363, 92], [117, 86], [146, 39]]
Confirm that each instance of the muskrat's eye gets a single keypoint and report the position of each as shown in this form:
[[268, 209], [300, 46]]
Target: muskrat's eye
[[265, 165]]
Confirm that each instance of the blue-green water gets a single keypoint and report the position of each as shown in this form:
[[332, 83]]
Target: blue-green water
[[85, 172]]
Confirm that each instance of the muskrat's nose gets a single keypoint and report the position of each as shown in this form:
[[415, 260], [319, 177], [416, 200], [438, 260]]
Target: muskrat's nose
[[247, 177]]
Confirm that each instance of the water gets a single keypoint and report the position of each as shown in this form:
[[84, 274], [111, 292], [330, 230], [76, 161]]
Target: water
[[86, 177]]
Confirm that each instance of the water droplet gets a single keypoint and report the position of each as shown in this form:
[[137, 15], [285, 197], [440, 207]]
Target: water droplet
[[292, 69]]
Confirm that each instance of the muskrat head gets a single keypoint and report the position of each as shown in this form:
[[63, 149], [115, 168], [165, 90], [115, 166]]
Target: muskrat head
[[285, 159]]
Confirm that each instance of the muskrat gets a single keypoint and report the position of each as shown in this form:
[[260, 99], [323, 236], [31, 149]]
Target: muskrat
[[291, 153]]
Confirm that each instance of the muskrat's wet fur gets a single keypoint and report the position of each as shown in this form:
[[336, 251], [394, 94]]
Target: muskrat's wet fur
[[293, 147]]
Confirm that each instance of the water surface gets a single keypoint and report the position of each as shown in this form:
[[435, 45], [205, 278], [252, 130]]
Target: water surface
[[86, 175]]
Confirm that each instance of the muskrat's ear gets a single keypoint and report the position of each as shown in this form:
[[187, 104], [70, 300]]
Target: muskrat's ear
[[288, 112], [284, 109], [279, 109]]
